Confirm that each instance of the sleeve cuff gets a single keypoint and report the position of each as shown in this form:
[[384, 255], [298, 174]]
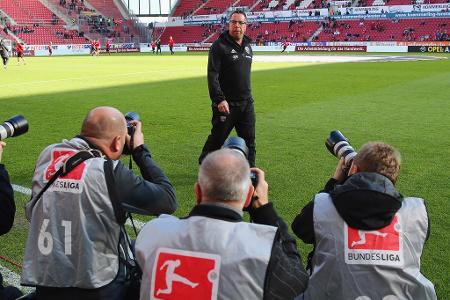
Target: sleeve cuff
[[329, 186], [140, 151], [265, 214]]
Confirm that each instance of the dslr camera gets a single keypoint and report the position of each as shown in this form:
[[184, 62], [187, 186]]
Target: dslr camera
[[130, 116], [340, 147], [12, 127], [238, 144]]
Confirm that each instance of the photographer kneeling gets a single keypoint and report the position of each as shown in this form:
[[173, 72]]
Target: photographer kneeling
[[368, 238], [213, 253], [77, 246], [7, 212]]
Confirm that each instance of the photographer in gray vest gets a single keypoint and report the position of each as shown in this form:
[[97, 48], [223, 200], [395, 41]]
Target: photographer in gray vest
[[77, 246], [368, 238], [213, 253]]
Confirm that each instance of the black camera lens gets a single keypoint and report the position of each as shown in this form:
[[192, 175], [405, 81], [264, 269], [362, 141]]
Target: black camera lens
[[340, 146], [236, 143], [15, 126]]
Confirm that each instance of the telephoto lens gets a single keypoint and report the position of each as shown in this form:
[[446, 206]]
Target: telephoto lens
[[340, 147], [14, 126], [236, 143]]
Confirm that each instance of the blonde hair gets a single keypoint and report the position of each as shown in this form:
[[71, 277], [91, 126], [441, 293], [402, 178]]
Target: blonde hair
[[380, 158]]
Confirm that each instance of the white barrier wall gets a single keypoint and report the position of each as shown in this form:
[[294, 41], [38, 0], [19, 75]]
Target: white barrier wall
[[396, 49], [42, 50]]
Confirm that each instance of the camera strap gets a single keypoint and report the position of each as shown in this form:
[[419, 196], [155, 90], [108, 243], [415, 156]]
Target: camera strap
[[70, 164]]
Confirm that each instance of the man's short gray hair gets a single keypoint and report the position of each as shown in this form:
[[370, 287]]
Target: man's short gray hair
[[224, 175]]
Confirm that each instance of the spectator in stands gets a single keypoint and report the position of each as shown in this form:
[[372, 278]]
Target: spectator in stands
[[4, 53], [7, 212], [256, 260], [367, 237], [88, 206], [229, 66]]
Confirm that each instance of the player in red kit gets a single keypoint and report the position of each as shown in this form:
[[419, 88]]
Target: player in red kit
[[285, 45], [108, 46], [50, 49], [153, 46], [171, 42], [19, 49]]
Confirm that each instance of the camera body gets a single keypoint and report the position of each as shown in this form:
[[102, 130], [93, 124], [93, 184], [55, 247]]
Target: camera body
[[14, 126], [340, 147], [238, 144], [130, 116]]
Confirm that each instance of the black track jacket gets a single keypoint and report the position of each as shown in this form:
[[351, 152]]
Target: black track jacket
[[229, 66]]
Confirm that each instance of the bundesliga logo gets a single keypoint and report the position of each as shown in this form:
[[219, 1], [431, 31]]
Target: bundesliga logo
[[376, 247], [71, 181], [179, 274]]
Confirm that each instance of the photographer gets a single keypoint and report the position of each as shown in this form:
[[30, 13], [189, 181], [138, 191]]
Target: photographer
[[213, 251], [7, 212], [367, 237], [77, 246]]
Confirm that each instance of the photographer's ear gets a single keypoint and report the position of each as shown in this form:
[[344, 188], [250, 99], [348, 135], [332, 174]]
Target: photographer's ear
[[353, 169], [198, 193], [248, 198]]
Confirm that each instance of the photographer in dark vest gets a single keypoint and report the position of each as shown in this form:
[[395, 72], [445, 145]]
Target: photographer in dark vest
[[77, 246], [213, 253], [7, 212], [368, 238]]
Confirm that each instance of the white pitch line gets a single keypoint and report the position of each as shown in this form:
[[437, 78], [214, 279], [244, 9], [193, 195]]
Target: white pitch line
[[21, 189], [14, 280]]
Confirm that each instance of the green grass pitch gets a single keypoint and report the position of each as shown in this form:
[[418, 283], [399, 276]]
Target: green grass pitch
[[406, 104]]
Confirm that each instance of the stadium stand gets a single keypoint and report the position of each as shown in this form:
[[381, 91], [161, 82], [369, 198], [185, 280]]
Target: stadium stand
[[186, 8], [411, 30], [36, 24]]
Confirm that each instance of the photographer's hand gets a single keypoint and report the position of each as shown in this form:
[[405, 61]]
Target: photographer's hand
[[340, 174], [261, 194], [138, 137], [2, 145]]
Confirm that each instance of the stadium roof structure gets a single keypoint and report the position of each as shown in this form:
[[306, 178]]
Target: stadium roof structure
[[150, 8]]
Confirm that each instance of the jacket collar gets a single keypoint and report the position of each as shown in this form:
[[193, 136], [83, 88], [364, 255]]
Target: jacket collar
[[221, 212]]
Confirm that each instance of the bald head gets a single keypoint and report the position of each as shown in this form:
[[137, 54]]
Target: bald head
[[106, 128], [103, 123], [224, 175]]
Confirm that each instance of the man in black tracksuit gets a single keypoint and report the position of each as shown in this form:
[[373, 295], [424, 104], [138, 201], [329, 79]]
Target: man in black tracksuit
[[229, 66]]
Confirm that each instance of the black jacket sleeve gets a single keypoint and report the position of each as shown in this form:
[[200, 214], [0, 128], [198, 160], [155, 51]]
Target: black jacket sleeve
[[303, 224], [214, 67], [151, 194], [7, 205], [285, 277]]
